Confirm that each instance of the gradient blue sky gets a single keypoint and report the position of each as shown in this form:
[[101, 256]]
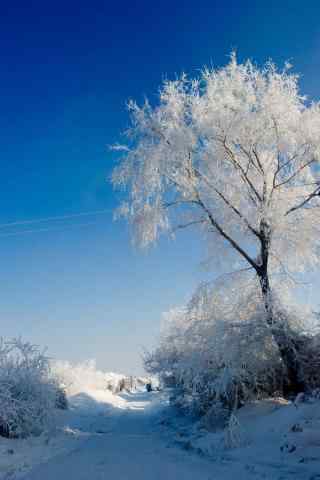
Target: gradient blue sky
[[67, 71]]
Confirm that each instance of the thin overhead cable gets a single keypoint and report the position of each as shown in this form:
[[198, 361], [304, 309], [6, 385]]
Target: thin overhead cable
[[38, 230], [57, 218]]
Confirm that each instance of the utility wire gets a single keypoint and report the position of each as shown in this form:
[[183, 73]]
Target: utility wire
[[23, 232], [57, 218]]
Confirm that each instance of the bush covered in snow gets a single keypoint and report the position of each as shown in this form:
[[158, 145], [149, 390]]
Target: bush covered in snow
[[85, 376], [219, 351], [28, 390]]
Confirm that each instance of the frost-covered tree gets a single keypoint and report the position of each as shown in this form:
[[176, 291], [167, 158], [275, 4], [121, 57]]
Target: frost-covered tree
[[29, 393], [218, 350], [235, 153]]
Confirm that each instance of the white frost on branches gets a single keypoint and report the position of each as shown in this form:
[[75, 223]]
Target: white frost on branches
[[28, 390], [219, 351], [84, 377], [235, 153], [232, 151]]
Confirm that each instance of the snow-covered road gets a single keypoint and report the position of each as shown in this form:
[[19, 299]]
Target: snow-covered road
[[126, 443], [105, 436]]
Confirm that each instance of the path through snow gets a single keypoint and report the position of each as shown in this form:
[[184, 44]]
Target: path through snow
[[124, 438], [127, 444]]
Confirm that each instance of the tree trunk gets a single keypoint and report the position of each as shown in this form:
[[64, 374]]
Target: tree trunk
[[287, 346]]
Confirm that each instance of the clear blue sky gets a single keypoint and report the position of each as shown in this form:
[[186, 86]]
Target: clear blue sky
[[67, 70]]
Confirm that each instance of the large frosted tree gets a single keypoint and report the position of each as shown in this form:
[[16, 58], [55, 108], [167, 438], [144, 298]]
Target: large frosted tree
[[235, 153]]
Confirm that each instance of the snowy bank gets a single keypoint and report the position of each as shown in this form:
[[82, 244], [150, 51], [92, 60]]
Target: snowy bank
[[269, 439], [88, 414]]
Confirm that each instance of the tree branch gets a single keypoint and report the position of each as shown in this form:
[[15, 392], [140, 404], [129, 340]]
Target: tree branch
[[258, 167], [290, 160], [228, 203], [315, 193], [188, 224], [299, 170], [238, 166], [226, 236]]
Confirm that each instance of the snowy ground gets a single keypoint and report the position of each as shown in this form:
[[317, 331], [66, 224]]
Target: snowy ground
[[272, 439], [137, 436], [119, 440]]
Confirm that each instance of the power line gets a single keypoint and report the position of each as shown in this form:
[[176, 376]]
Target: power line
[[37, 230], [57, 218]]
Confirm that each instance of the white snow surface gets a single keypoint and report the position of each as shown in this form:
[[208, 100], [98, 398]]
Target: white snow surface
[[139, 436]]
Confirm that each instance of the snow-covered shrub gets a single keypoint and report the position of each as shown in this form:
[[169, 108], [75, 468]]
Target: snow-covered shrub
[[220, 349], [216, 418], [80, 377], [309, 358], [234, 435], [28, 390], [85, 376]]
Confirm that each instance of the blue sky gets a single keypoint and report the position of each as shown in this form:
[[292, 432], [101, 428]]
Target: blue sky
[[67, 71]]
